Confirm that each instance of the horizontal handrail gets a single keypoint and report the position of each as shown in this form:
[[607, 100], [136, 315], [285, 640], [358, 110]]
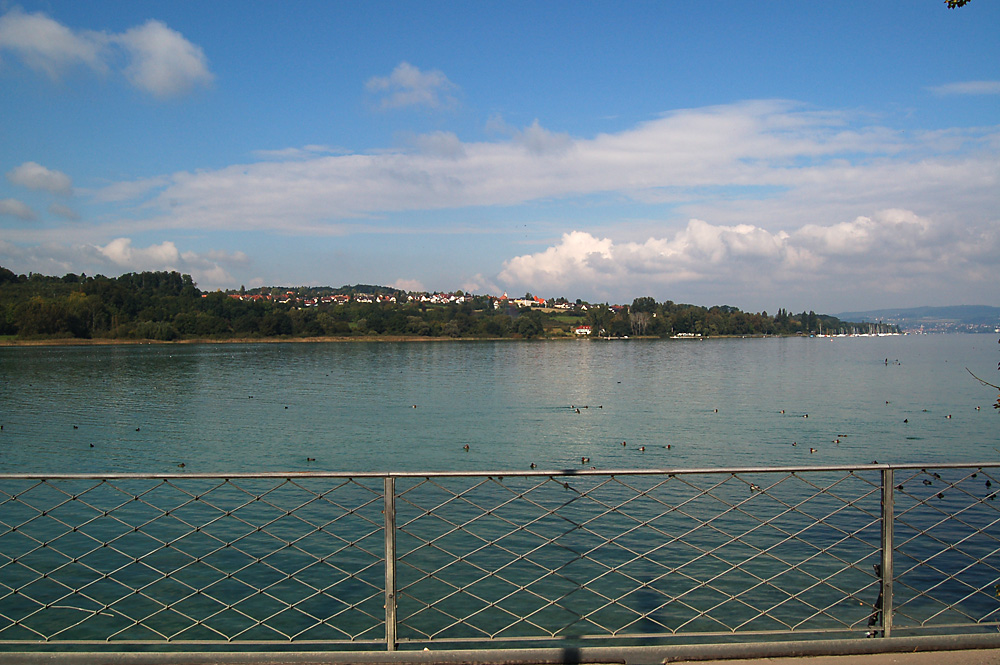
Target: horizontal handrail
[[512, 472]]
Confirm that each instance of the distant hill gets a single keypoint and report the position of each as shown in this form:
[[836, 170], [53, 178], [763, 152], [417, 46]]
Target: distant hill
[[956, 318]]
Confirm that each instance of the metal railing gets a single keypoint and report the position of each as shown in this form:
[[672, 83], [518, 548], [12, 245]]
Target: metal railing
[[387, 561]]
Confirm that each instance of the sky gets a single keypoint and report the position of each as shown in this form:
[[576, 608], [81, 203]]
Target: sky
[[832, 156]]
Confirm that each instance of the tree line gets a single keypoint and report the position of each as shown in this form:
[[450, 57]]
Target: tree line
[[168, 306]]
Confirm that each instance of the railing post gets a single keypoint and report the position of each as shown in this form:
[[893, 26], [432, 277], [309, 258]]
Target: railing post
[[390, 563], [887, 523]]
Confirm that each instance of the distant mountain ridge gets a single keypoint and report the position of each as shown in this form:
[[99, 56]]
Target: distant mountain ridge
[[964, 318]]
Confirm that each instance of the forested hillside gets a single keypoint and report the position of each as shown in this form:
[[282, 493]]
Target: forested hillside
[[167, 306]]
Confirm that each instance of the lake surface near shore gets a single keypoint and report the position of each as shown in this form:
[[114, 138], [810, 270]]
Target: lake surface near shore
[[377, 407]]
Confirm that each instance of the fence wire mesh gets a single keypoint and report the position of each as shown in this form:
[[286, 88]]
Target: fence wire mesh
[[630, 557]]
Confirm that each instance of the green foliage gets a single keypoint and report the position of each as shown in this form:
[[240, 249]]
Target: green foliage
[[167, 306]]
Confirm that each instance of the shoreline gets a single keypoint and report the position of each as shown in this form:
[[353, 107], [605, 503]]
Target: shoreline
[[266, 340], [101, 341]]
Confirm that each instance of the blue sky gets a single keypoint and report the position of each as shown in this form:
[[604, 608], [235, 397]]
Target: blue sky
[[830, 156]]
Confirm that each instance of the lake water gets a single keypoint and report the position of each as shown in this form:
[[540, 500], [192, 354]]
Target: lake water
[[357, 407], [155, 559]]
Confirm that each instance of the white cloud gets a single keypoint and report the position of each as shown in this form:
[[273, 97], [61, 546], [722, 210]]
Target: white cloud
[[155, 257], [47, 45], [968, 88], [298, 153], [752, 152], [540, 141], [35, 176], [163, 62], [440, 144], [125, 191], [210, 269], [15, 208], [64, 211], [409, 86], [479, 284], [892, 250], [158, 60]]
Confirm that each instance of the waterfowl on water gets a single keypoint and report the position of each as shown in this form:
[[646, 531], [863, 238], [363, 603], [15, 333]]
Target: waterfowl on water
[[584, 460], [465, 447]]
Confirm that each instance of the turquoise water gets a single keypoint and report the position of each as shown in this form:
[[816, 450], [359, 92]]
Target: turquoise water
[[359, 407], [657, 555]]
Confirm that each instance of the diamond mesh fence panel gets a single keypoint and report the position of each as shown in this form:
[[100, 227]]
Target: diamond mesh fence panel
[[636, 555], [947, 549], [625, 557], [191, 559]]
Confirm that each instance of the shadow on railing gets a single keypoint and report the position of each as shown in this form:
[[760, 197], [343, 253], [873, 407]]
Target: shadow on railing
[[571, 557]]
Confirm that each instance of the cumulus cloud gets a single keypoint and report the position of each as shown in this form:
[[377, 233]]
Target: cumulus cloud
[[158, 60], [893, 248], [35, 176], [480, 284], [162, 62], [155, 257], [15, 208], [209, 269], [968, 88], [409, 86]]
